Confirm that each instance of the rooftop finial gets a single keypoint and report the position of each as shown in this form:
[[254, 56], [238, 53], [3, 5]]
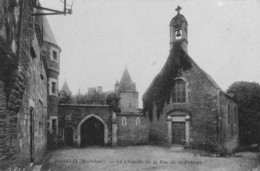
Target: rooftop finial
[[178, 9]]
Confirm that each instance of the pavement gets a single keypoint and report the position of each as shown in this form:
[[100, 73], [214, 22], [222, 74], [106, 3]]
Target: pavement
[[146, 158]]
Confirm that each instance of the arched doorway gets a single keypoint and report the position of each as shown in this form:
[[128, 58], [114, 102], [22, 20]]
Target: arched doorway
[[92, 132]]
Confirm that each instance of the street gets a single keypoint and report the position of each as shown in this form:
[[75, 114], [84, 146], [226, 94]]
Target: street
[[139, 158]]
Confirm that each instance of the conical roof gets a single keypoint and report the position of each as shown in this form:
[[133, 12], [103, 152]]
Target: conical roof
[[48, 35], [65, 87], [126, 83], [126, 78]]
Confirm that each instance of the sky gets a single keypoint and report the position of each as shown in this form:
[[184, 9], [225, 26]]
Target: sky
[[102, 37]]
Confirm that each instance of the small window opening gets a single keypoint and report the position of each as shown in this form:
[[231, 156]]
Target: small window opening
[[137, 121], [54, 125], [124, 121], [42, 77], [229, 114], [55, 56], [53, 87], [179, 71]]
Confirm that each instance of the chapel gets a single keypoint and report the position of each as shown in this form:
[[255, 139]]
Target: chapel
[[185, 106]]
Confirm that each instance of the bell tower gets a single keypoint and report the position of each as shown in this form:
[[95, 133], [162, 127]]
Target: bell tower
[[179, 29]]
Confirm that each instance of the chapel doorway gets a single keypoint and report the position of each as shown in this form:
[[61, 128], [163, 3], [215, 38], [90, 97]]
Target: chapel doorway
[[178, 133], [68, 136], [92, 132]]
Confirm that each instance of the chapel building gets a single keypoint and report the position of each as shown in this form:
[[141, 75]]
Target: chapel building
[[185, 105]]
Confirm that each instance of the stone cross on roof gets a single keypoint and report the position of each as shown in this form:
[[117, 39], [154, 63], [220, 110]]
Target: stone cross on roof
[[178, 9]]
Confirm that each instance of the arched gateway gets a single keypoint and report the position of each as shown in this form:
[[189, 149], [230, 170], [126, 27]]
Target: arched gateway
[[92, 130]]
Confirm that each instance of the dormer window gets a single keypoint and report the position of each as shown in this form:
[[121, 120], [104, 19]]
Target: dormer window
[[179, 91], [54, 55]]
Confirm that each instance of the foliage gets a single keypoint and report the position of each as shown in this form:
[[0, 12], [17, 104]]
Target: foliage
[[159, 91], [113, 100], [247, 95], [65, 98]]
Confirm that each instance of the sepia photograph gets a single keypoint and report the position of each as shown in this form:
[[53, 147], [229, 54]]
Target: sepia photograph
[[129, 85]]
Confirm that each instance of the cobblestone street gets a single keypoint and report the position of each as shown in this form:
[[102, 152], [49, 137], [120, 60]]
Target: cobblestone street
[[145, 158]]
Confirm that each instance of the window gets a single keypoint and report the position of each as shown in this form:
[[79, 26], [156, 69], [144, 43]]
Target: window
[[124, 121], [137, 121], [235, 115], [229, 114], [42, 77], [53, 87], [55, 56], [179, 71], [179, 92], [54, 125]]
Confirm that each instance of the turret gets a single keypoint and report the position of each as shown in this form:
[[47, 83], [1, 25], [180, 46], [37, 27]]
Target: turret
[[179, 29], [128, 94], [51, 51]]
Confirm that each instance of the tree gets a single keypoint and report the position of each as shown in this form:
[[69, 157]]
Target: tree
[[247, 95]]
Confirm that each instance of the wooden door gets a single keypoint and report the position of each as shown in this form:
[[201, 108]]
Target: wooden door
[[178, 133]]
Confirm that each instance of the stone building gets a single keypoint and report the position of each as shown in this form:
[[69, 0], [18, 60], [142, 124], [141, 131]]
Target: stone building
[[185, 105], [126, 90], [103, 118], [26, 49]]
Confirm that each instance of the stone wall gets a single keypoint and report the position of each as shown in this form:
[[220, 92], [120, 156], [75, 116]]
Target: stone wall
[[128, 101], [229, 124], [201, 105], [72, 115], [34, 104], [25, 87], [131, 131], [10, 93]]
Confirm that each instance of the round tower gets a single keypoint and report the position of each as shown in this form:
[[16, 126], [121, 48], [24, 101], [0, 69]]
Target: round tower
[[51, 52], [179, 29]]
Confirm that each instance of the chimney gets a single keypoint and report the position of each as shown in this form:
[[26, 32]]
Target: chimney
[[100, 89]]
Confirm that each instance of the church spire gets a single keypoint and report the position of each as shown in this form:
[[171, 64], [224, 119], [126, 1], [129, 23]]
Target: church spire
[[66, 88]]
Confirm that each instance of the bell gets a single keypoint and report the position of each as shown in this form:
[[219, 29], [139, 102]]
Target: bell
[[178, 33]]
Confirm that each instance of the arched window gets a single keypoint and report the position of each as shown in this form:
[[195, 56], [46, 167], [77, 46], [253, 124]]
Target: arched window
[[179, 91], [137, 121], [124, 121]]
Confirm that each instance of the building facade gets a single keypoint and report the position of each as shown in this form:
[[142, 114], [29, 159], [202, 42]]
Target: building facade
[[128, 95], [24, 80], [103, 118], [185, 105]]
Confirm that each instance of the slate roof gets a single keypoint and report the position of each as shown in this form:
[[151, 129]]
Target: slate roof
[[48, 35], [126, 83], [65, 87]]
